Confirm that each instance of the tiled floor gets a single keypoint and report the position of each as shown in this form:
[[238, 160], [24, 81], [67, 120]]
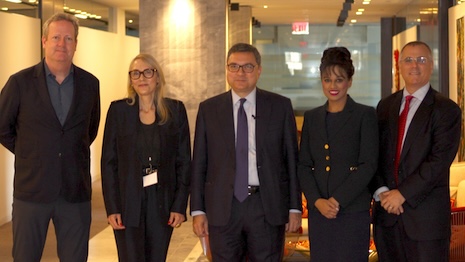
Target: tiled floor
[[184, 246]]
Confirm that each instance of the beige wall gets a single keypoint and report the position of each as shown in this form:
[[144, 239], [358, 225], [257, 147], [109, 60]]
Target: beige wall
[[106, 55]]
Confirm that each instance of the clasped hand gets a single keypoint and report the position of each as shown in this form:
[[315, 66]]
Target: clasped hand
[[328, 207], [392, 201]]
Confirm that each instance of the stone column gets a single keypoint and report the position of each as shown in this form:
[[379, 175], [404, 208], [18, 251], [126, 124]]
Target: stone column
[[188, 38], [240, 25]]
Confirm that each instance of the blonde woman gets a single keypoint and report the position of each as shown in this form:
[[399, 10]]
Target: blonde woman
[[145, 164]]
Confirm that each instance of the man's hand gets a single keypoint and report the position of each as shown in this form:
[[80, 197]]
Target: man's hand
[[200, 225], [392, 201], [295, 221]]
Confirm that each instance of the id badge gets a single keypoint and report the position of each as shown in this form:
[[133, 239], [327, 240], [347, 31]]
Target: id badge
[[151, 177]]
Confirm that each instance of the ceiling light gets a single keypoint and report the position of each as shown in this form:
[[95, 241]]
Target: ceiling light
[[14, 1], [130, 21], [4, 8], [265, 6], [358, 13], [365, 2], [80, 16], [361, 9], [353, 21]]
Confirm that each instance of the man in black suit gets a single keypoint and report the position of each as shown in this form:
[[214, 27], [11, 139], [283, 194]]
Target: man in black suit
[[254, 227], [412, 212], [49, 116]]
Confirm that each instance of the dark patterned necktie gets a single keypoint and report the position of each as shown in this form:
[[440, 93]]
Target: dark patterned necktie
[[242, 155]]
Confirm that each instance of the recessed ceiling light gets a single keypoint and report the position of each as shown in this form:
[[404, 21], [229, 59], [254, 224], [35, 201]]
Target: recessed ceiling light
[[80, 16]]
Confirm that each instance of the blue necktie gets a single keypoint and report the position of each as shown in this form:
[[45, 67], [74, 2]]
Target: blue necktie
[[241, 182]]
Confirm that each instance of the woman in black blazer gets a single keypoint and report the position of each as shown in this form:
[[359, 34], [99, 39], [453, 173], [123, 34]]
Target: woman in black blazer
[[337, 159], [145, 165]]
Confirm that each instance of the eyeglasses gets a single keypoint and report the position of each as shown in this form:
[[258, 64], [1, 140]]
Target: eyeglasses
[[135, 74], [247, 68], [418, 60]]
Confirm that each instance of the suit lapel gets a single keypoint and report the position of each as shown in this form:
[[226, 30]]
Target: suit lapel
[[263, 112], [41, 83], [77, 93], [321, 122], [394, 114], [226, 124]]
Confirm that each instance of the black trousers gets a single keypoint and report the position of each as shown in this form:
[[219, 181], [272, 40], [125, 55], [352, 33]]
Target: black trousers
[[150, 240], [30, 224], [247, 235], [393, 244]]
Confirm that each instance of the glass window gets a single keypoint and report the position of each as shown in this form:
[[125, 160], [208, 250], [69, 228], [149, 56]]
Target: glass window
[[291, 62], [132, 24]]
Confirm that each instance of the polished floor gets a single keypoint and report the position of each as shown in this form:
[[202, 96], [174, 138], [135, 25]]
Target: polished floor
[[184, 246]]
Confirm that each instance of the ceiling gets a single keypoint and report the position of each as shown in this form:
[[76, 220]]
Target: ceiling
[[312, 11], [289, 11]]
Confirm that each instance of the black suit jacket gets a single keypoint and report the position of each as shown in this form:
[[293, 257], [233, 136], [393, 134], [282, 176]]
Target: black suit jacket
[[429, 148], [214, 158], [50, 159], [341, 166], [122, 183]]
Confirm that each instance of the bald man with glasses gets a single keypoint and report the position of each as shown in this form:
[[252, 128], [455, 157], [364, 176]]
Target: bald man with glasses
[[419, 137]]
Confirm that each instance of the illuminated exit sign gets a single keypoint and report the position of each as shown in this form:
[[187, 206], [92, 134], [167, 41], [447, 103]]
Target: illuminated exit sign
[[300, 28]]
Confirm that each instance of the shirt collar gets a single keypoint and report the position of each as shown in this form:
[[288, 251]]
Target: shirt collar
[[251, 97], [49, 73], [419, 94]]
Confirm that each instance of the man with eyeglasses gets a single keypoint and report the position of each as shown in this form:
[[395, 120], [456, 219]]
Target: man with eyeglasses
[[49, 116], [419, 137], [245, 193]]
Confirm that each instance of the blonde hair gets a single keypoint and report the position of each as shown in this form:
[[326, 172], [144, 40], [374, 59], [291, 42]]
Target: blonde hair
[[162, 109], [61, 17]]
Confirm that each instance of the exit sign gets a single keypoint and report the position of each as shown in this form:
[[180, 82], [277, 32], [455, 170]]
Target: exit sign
[[300, 28]]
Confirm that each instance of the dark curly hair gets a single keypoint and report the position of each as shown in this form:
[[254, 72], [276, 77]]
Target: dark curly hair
[[336, 56]]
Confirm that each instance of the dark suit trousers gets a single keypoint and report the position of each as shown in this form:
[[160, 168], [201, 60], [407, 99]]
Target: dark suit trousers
[[30, 225], [393, 245], [149, 242], [247, 235]]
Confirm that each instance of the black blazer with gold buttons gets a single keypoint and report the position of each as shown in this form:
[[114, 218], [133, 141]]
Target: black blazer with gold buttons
[[343, 165]]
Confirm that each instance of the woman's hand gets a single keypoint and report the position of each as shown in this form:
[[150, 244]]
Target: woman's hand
[[176, 219], [327, 207], [115, 221]]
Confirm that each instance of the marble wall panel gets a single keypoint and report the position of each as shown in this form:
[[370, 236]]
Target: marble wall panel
[[188, 38]]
